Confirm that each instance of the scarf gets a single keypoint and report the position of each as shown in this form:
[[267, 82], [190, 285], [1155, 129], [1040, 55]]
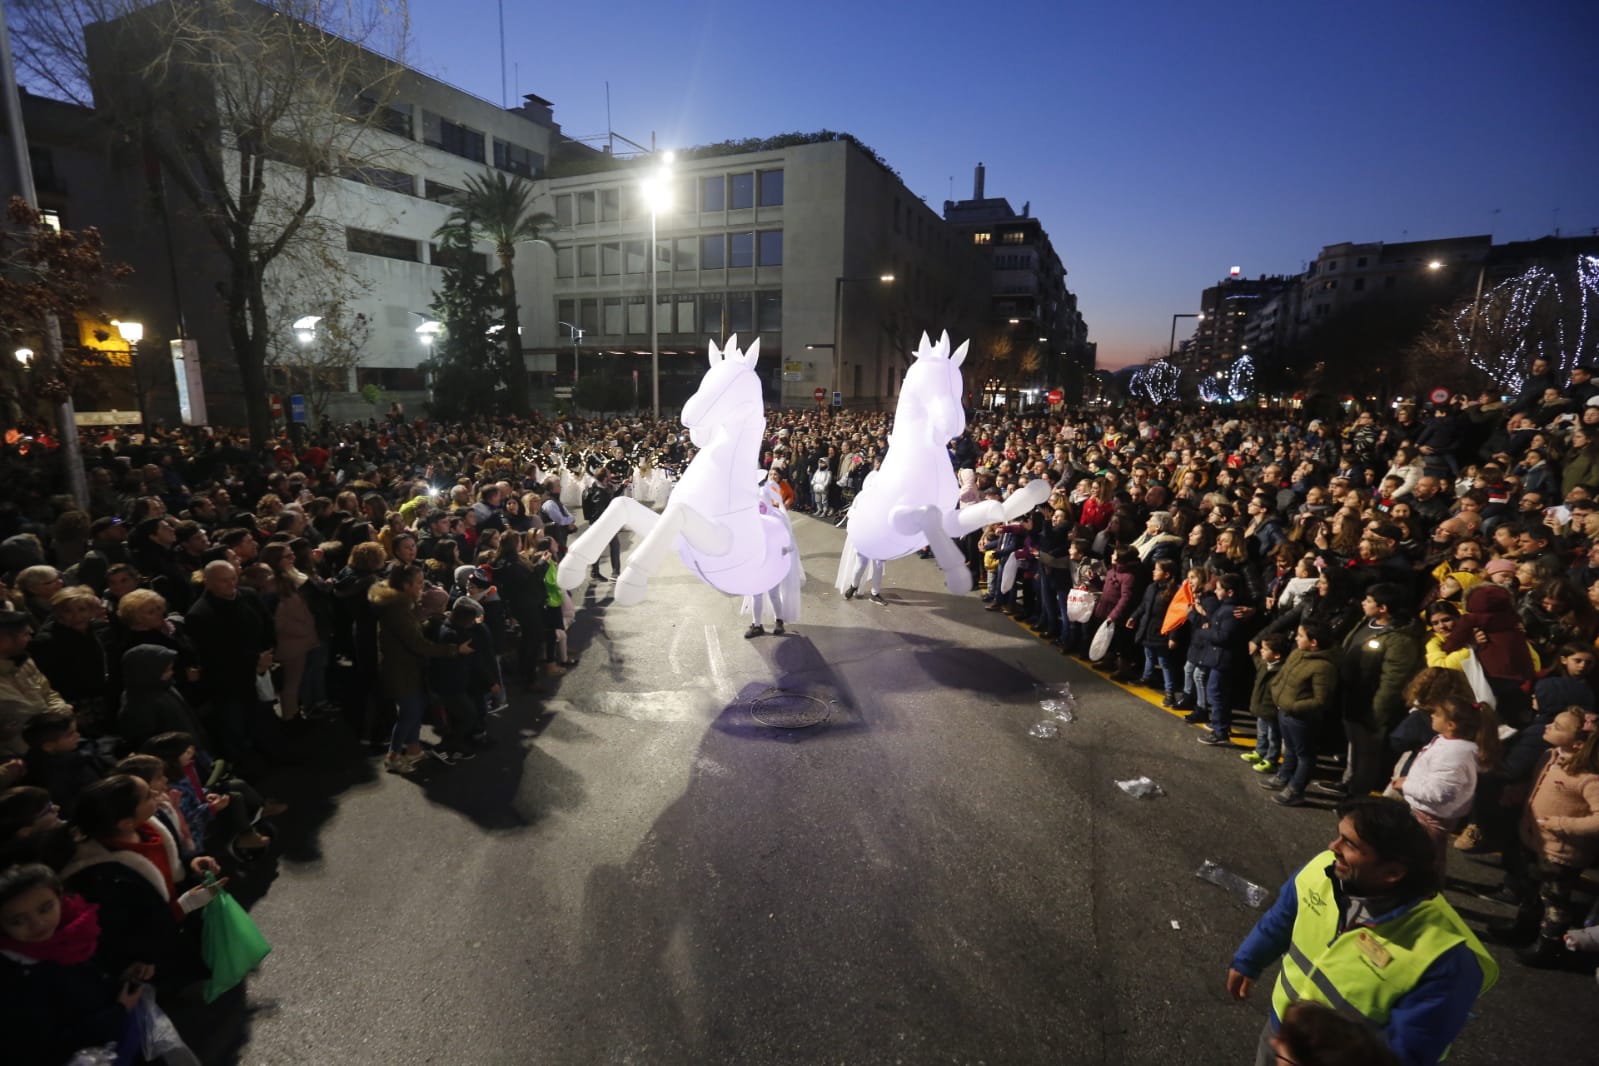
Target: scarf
[[1177, 609], [72, 943]]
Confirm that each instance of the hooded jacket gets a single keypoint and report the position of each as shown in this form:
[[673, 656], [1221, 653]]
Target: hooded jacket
[[150, 704], [1306, 684], [1491, 609], [402, 649]]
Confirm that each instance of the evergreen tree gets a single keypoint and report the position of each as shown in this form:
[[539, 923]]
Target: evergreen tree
[[464, 365]]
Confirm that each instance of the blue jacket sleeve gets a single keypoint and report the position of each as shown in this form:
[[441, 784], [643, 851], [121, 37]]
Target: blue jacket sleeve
[[1269, 940], [1424, 1023]]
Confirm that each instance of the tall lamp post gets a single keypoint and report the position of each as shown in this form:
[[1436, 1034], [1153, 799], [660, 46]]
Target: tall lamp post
[[838, 323], [658, 194], [1171, 348], [1476, 301], [577, 335], [133, 333]]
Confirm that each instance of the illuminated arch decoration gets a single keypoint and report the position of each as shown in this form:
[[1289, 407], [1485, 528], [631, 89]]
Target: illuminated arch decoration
[[1537, 314]]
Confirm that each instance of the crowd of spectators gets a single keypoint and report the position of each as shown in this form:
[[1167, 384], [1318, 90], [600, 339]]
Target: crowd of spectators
[[1407, 594]]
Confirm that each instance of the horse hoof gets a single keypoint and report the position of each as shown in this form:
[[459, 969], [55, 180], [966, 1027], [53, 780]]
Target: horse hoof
[[959, 582], [628, 591]]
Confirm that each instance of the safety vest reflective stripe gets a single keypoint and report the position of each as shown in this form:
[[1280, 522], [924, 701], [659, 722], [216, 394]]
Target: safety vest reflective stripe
[[1335, 999]]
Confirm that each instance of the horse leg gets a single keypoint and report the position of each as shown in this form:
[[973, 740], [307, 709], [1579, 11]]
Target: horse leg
[[584, 551], [931, 522], [703, 535], [1025, 499], [644, 560]]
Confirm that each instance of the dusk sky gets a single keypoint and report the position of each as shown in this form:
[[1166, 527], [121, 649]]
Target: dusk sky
[[1160, 143]]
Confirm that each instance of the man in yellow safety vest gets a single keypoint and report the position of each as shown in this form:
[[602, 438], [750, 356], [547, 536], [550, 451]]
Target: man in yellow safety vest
[[1363, 929]]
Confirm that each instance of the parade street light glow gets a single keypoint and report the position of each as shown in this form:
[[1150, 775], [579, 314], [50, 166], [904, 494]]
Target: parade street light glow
[[24, 355], [429, 331], [305, 328], [132, 332]]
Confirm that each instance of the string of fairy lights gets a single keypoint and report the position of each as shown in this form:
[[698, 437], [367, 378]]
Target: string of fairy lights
[[1539, 313]]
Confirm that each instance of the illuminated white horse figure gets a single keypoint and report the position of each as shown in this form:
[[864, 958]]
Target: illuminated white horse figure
[[715, 516], [912, 499]]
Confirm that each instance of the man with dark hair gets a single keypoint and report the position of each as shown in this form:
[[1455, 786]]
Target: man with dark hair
[[1362, 928], [596, 498]]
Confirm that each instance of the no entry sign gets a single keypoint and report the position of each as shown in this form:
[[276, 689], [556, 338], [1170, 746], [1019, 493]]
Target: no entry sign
[[1439, 395], [1055, 396], [820, 396]]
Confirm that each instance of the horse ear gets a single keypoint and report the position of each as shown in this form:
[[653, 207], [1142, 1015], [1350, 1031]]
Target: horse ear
[[943, 344], [730, 349], [925, 348], [754, 353], [716, 355], [960, 353]]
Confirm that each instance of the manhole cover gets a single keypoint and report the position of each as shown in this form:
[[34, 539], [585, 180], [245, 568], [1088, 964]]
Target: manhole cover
[[790, 710]]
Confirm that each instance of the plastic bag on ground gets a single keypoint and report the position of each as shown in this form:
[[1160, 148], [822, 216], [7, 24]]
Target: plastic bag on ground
[[152, 1035], [1045, 730], [1141, 788], [1252, 894], [1057, 700]]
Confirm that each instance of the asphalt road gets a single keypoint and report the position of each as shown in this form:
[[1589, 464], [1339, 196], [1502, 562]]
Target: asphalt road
[[643, 872]]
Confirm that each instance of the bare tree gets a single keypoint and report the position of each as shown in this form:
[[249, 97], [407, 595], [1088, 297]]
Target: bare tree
[[248, 110]]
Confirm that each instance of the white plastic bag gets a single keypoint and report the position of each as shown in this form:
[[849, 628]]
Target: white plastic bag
[[1099, 647], [1080, 604], [265, 691], [1478, 680]]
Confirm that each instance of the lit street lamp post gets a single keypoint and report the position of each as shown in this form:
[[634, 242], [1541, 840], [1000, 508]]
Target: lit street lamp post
[[658, 192], [577, 335], [133, 333]]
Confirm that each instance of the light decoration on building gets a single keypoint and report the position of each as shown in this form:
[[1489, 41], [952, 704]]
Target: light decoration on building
[[1241, 379], [1537, 314], [1156, 380]]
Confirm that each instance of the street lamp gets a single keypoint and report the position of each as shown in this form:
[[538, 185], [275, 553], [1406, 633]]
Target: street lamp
[[24, 356], [133, 333], [305, 328], [838, 324], [658, 194], [577, 335], [1171, 348]]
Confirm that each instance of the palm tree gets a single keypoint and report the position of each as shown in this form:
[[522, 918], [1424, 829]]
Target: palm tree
[[497, 208]]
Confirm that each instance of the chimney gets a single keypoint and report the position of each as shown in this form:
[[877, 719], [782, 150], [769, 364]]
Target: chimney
[[977, 183]]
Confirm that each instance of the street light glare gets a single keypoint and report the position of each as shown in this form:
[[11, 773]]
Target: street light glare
[[24, 355], [886, 279], [1436, 264], [132, 332]]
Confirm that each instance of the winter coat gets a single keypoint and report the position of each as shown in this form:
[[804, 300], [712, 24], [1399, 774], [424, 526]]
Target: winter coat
[[1262, 704], [1307, 683], [1151, 613], [1118, 597], [229, 637], [1372, 674], [1581, 468], [149, 704], [49, 1010], [355, 626], [73, 661], [1215, 636], [1568, 804], [64, 774], [463, 675], [295, 623], [138, 922], [402, 649], [23, 686], [1443, 779]]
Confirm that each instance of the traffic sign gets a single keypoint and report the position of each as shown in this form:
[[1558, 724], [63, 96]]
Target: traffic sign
[[838, 399], [820, 396], [1439, 395], [1055, 396], [296, 408], [277, 407], [562, 392]]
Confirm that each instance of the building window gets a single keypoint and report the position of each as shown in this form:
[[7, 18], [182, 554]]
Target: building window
[[770, 249], [741, 312], [441, 256], [638, 315], [566, 311], [610, 205], [743, 186], [685, 253], [713, 252], [633, 257], [516, 159], [588, 261], [585, 208], [396, 118], [50, 217], [982, 237], [685, 315], [369, 243], [611, 326], [452, 137], [711, 314], [1388, 282], [1360, 284], [382, 178], [713, 194], [1333, 265], [896, 215], [588, 316], [563, 210], [769, 312], [1014, 236], [741, 250], [771, 188], [391, 378], [1360, 262], [611, 259], [633, 202], [441, 193]]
